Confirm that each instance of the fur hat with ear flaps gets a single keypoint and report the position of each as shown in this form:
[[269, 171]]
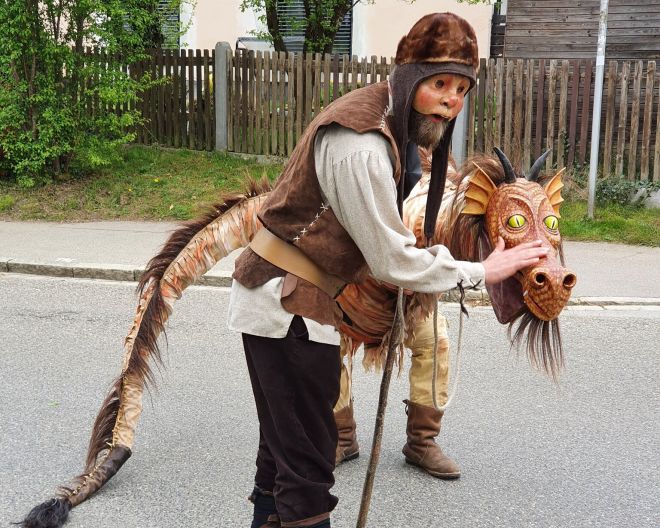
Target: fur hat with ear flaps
[[437, 43]]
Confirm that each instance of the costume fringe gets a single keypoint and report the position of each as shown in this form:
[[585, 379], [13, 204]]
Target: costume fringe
[[50, 514]]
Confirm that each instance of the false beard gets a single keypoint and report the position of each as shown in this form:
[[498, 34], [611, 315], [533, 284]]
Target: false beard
[[425, 132]]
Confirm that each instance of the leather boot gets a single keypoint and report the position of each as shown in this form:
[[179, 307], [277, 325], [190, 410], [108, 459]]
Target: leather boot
[[421, 449], [347, 445]]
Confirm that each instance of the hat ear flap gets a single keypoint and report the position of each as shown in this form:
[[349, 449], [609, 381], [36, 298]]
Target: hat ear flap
[[479, 192], [553, 191]]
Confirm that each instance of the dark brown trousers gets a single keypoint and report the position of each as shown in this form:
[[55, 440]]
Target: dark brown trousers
[[296, 385]]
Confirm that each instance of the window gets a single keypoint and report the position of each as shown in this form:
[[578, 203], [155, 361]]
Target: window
[[294, 37]]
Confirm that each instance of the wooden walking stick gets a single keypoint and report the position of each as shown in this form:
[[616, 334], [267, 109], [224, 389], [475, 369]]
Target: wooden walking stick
[[396, 339]]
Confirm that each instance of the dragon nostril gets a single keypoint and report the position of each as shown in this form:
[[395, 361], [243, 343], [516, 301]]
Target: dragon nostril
[[540, 278], [569, 280]]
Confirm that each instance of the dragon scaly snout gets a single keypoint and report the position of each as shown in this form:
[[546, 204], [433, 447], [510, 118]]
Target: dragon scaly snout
[[547, 288]]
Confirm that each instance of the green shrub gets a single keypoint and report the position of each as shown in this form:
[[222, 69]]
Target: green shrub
[[59, 104], [610, 190], [623, 191]]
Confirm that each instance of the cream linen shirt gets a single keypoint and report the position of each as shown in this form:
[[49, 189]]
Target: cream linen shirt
[[355, 173]]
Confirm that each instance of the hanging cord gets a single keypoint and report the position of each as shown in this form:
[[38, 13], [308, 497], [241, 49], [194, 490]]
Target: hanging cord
[[396, 341], [454, 386]]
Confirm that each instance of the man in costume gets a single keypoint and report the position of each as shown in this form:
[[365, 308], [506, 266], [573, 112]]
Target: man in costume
[[332, 218], [422, 405]]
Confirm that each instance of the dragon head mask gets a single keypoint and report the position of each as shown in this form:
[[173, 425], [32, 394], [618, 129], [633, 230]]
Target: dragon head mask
[[521, 210]]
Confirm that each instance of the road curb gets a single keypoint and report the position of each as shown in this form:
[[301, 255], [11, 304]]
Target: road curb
[[127, 273], [116, 272]]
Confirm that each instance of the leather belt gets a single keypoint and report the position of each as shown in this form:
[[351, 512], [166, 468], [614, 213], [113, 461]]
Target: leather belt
[[291, 259]]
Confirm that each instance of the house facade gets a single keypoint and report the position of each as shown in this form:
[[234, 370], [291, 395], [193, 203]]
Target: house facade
[[373, 29]]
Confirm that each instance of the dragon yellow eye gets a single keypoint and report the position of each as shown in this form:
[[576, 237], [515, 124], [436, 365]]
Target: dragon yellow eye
[[551, 222], [516, 221]]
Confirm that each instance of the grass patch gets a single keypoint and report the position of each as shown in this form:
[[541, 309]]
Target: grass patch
[[625, 224], [175, 184], [146, 184], [6, 202]]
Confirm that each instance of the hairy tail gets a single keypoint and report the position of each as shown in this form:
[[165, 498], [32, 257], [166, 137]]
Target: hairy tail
[[189, 253]]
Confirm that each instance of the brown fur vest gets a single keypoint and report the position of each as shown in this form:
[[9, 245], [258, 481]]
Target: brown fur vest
[[295, 211]]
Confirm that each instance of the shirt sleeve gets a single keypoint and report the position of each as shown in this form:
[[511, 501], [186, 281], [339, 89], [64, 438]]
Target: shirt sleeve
[[356, 178]]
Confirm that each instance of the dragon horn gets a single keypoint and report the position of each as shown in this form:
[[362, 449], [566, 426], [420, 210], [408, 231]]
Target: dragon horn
[[509, 174], [189, 253], [535, 170]]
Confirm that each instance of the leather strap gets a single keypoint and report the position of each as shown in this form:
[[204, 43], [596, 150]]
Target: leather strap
[[289, 258]]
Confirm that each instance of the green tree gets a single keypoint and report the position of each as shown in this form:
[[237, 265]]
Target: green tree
[[321, 21], [62, 107]]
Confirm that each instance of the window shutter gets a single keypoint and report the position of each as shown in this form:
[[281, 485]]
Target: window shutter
[[343, 39]]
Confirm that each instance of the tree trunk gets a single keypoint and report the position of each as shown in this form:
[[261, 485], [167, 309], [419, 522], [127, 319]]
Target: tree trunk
[[273, 23]]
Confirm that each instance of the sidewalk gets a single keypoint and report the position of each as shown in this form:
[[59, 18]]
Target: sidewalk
[[607, 273]]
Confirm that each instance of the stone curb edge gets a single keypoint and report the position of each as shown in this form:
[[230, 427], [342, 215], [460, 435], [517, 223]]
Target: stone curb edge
[[115, 272], [119, 272]]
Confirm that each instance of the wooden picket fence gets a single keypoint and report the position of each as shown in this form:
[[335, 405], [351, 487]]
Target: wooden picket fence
[[272, 97], [523, 106], [527, 106], [179, 111]]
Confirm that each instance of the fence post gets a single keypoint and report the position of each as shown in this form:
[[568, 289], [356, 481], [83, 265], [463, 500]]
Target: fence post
[[459, 137], [220, 89]]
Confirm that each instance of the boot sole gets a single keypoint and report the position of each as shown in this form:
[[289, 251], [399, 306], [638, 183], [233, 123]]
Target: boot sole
[[443, 476], [348, 458]]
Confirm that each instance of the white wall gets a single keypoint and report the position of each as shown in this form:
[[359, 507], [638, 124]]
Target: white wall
[[377, 27], [218, 20]]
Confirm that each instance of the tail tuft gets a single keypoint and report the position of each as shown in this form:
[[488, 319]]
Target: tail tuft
[[49, 514]]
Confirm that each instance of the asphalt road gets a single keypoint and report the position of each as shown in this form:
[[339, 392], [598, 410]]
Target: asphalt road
[[580, 454]]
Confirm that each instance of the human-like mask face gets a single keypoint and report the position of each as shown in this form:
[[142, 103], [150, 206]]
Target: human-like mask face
[[438, 100], [441, 96]]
